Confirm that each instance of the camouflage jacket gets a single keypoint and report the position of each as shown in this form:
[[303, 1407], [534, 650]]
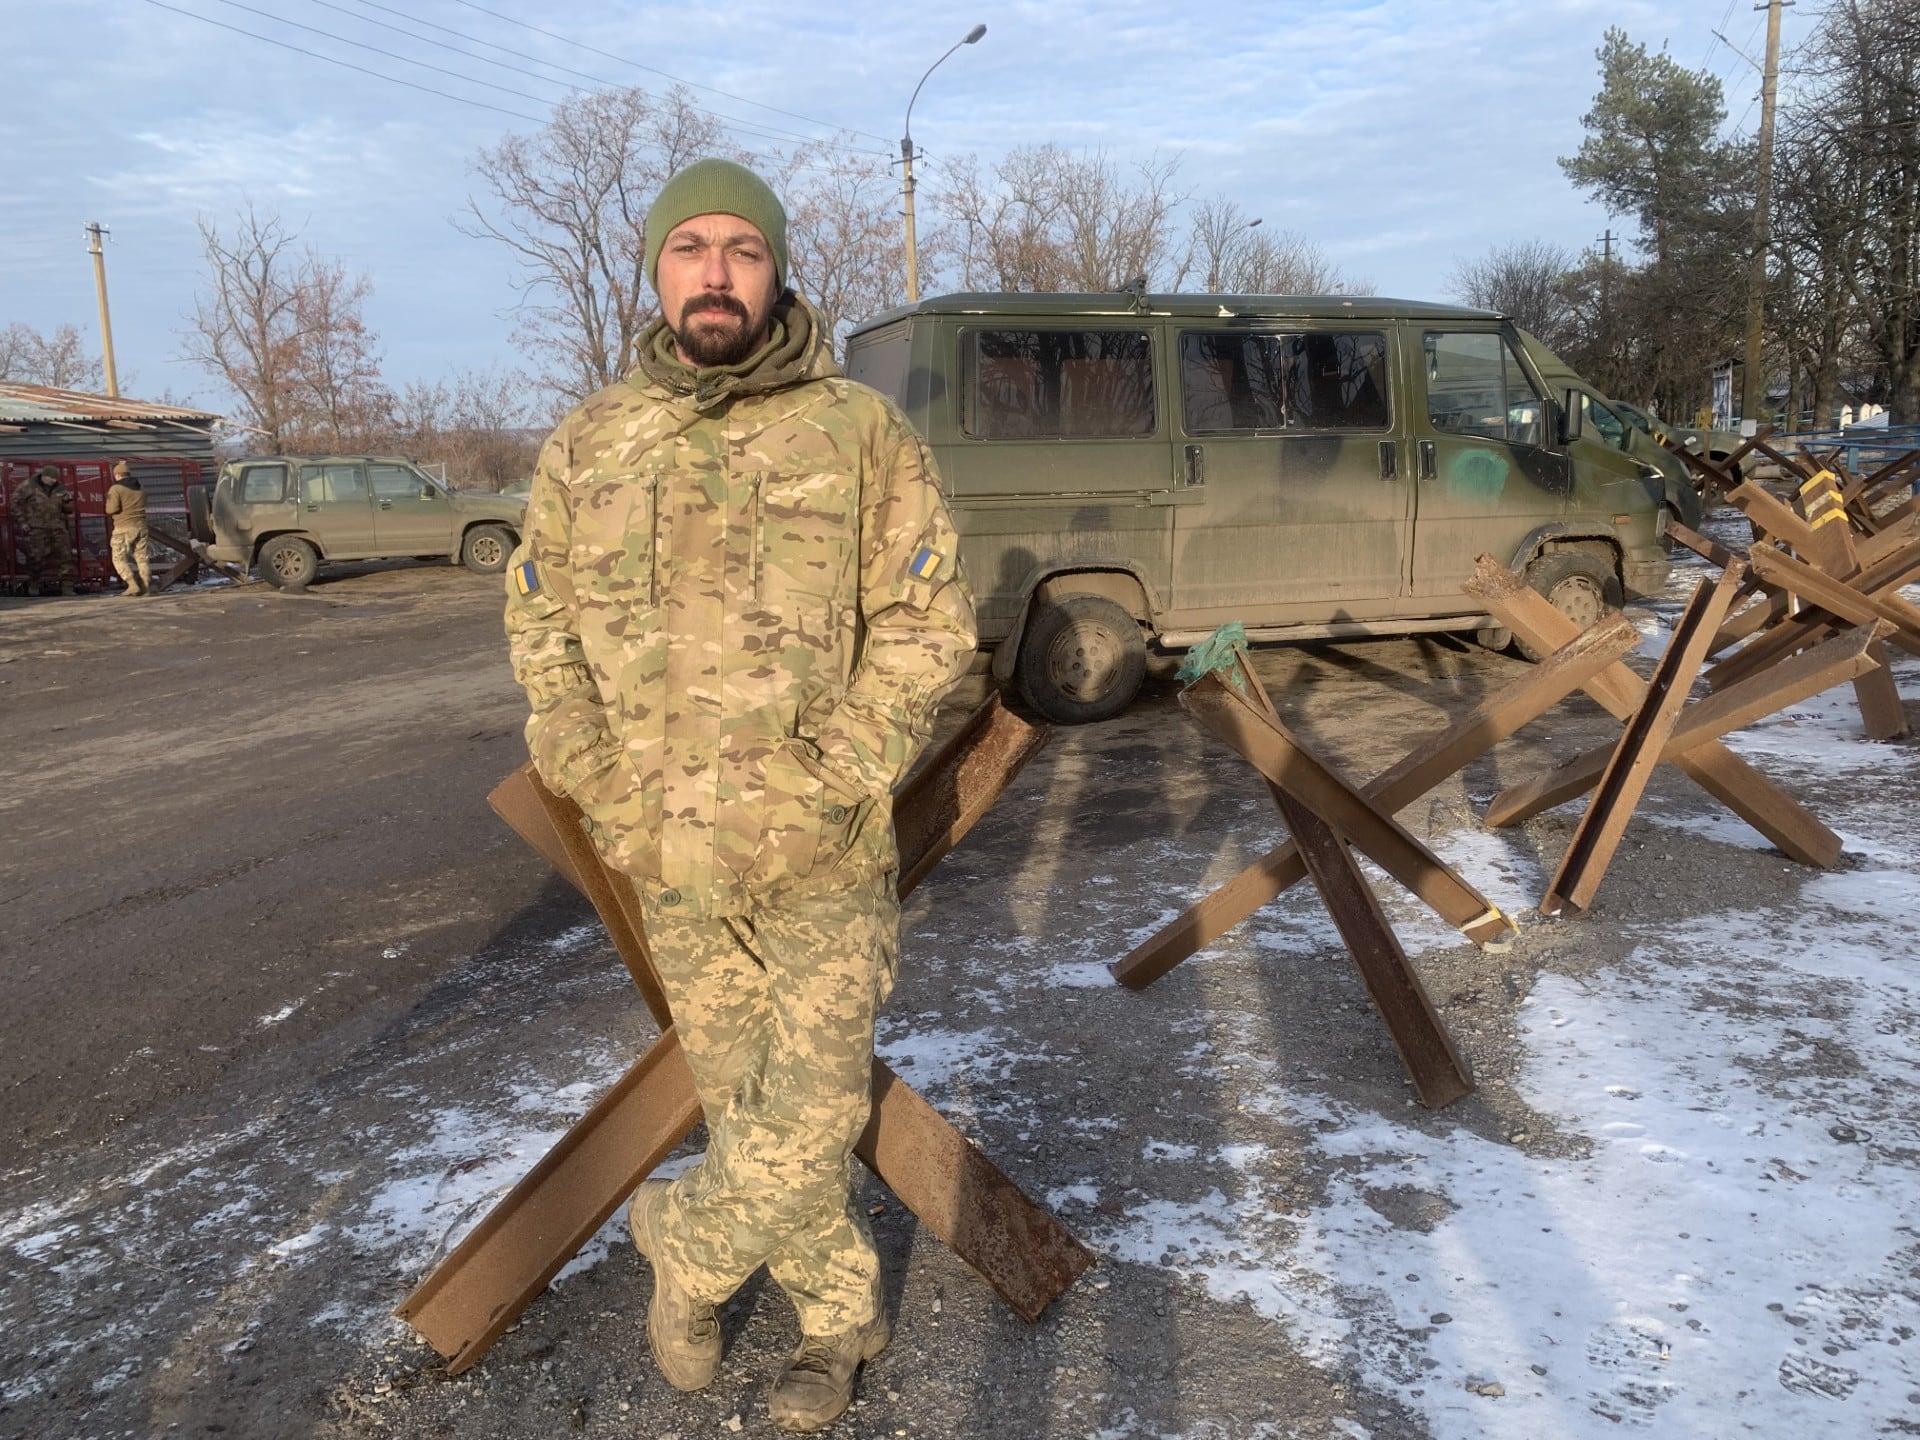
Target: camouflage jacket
[[42, 507], [736, 606]]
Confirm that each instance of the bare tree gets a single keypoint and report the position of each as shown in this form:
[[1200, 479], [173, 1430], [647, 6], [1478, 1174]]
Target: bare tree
[[246, 326], [570, 203], [1049, 220], [1220, 237], [336, 375], [1526, 280], [844, 235], [60, 359], [1285, 262]]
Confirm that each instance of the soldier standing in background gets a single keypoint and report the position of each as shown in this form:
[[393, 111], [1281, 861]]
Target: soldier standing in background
[[127, 505], [736, 608], [43, 513]]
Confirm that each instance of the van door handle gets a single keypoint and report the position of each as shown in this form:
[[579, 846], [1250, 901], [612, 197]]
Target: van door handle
[[1428, 465], [1389, 460], [386, 504], [1196, 466]]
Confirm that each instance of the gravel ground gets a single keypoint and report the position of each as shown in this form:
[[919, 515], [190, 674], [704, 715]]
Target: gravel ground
[[290, 1010]]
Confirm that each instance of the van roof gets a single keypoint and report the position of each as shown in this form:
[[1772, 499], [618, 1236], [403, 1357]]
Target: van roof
[[1122, 303]]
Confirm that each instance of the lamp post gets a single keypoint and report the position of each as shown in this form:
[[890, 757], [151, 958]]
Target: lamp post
[[1213, 265], [972, 37]]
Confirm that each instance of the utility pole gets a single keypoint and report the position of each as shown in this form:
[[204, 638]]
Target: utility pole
[[906, 192], [1753, 383], [95, 231], [972, 37], [1606, 295]]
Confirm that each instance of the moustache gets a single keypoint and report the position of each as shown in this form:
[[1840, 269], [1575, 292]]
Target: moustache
[[725, 304]]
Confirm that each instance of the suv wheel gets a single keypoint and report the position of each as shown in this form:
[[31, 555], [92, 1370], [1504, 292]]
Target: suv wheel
[[199, 515], [486, 548], [288, 563], [1082, 659]]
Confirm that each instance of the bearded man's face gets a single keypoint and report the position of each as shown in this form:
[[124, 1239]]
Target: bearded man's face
[[717, 284]]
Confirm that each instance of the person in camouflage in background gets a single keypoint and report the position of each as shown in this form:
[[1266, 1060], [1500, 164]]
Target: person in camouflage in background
[[127, 508], [43, 518], [736, 607]]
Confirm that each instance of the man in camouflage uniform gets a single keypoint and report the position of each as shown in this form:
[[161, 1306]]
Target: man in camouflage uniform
[[127, 507], [736, 608], [42, 517]]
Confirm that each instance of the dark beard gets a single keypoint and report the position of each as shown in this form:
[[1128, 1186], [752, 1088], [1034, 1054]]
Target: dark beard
[[704, 346]]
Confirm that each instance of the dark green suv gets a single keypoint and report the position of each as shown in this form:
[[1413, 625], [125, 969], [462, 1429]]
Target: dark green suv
[[287, 515]]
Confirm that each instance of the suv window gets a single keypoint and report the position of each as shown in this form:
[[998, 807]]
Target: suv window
[[1607, 425], [395, 482], [1475, 386], [263, 484], [1313, 381], [1056, 384], [323, 484]]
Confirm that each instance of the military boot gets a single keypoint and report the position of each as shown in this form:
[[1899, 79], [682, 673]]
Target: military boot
[[817, 1385], [683, 1332]]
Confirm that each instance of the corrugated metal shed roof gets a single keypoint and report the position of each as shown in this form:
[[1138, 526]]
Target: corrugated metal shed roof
[[25, 404]]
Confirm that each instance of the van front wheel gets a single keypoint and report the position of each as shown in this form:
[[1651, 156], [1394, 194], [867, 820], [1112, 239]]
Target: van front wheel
[[1081, 660], [1578, 584]]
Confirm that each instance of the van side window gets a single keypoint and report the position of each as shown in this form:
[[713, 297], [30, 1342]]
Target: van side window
[[1313, 381], [263, 484], [1475, 386], [1057, 384]]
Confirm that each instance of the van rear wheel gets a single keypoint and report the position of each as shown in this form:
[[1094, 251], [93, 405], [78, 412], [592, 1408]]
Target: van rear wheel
[[1081, 660]]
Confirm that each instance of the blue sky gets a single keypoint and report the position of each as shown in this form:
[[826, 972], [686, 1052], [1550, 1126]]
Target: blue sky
[[1400, 136]]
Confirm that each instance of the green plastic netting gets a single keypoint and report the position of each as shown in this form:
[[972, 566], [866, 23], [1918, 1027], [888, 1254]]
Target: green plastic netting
[[1216, 652]]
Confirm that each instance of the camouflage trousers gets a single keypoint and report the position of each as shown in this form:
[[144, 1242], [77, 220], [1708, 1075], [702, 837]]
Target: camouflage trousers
[[130, 560], [775, 1013], [49, 557]]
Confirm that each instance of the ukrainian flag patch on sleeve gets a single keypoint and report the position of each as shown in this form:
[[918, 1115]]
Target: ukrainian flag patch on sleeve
[[526, 579], [926, 563]]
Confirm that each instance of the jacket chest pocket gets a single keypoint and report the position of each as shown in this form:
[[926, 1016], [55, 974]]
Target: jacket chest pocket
[[618, 537], [805, 528]]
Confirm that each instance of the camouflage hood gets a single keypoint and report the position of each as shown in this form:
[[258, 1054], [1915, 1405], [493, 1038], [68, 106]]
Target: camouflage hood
[[799, 348]]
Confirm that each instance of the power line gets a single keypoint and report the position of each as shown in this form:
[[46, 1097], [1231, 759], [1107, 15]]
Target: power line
[[744, 127], [346, 64], [651, 70], [389, 54]]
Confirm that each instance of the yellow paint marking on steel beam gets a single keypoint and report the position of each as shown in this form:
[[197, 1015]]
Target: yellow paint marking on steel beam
[[1823, 478], [1831, 515]]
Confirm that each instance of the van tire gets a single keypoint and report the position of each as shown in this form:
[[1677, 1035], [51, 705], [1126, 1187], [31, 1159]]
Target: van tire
[[1082, 659], [486, 548], [1578, 584], [288, 563]]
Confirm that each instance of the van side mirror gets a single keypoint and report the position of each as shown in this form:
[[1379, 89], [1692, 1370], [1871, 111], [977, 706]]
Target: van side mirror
[[1573, 417]]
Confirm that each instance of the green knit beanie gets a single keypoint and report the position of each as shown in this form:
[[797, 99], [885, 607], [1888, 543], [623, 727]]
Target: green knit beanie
[[716, 187]]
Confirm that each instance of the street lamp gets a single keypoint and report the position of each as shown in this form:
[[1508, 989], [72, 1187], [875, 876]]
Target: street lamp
[[1213, 266], [972, 37]]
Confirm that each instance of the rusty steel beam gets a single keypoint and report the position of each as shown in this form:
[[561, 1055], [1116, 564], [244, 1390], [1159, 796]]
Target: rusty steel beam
[[1716, 769], [484, 1283], [1839, 597], [1027, 1256], [1492, 720], [1022, 1252], [958, 784], [1833, 662], [1772, 517], [1272, 750], [1427, 1051], [1597, 836]]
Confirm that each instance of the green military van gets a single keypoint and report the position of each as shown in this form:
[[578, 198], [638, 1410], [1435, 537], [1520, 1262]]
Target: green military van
[[1131, 469]]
